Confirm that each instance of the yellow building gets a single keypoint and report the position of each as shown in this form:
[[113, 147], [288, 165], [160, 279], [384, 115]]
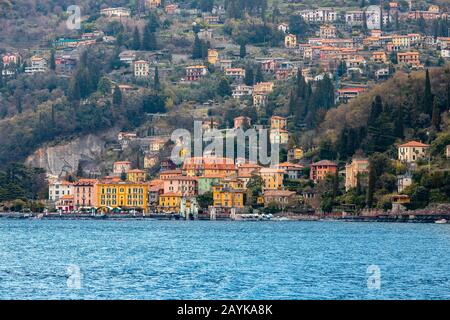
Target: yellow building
[[412, 151], [153, 3], [226, 197], [122, 194], [136, 175], [277, 122], [213, 56], [357, 166], [170, 202], [295, 154], [290, 41], [273, 178]]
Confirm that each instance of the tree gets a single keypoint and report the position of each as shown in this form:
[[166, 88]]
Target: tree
[[123, 176], [436, 118], [205, 200], [427, 95], [156, 82], [197, 49], [52, 62], [259, 77], [136, 43], [149, 42], [224, 88], [117, 96], [80, 172], [104, 86], [249, 78], [242, 50]]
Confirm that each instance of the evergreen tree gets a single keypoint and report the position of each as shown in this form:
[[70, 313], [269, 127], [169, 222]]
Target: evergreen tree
[[80, 173], [436, 117], [117, 96], [259, 77], [149, 42], [104, 86], [123, 176], [52, 62], [156, 82], [370, 186], [136, 43], [249, 78], [197, 50], [242, 50], [224, 88], [427, 95], [2, 82]]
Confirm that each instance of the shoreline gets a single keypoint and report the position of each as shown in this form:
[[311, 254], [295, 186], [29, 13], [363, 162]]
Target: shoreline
[[385, 218]]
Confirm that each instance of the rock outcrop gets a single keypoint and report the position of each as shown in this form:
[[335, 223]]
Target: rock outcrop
[[64, 158]]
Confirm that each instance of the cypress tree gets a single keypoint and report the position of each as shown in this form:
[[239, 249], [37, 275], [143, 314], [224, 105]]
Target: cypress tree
[[249, 79], [52, 60], [136, 43], [117, 96], [259, 77], [243, 50], [197, 50], [436, 117], [156, 82], [427, 95]]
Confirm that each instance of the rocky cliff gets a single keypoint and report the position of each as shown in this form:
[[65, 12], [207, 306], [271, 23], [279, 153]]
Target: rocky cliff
[[64, 158]]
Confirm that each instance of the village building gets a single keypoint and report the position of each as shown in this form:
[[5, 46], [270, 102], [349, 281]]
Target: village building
[[290, 41], [292, 170], [185, 185], [346, 94], [379, 57], [120, 167], [272, 177], [235, 73], [85, 193], [327, 31], [122, 195], [282, 198], [295, 154], [242, 122], [116, 12], [354, 170], [38, 64], [171, 9], [321, 169], [136, 175], [153, 3], [213, 56], [227, 197], [170, 202], [411, 58], [412, 151], [195, 73], [58, 189], [141, 69]]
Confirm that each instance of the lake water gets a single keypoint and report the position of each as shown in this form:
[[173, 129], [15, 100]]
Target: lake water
[[223, 260]]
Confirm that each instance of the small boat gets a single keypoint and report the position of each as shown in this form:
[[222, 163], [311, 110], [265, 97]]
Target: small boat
[[442, 221]]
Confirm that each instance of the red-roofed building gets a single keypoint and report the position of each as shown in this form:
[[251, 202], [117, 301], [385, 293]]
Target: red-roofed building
[[346, 94], [412, 151], [321, 169]]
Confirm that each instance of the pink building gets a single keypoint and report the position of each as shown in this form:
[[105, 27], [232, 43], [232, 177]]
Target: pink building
[[85, 193], [187, 186]]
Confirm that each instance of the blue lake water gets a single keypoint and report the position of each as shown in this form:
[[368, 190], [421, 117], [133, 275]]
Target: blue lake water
[[222, 260]]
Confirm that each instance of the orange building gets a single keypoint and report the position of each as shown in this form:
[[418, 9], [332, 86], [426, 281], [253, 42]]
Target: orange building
[[410, 58], [321, 169], [85, 193]]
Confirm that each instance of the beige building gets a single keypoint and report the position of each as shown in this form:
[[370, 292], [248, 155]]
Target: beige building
[[357, 166], [213, 56], [141, 69], [412, 151], [290, 41], [273, 178], [327, 31]]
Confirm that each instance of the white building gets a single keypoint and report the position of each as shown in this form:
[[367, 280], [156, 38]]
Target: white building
[[116, 12], [38, 64], [58, 189]]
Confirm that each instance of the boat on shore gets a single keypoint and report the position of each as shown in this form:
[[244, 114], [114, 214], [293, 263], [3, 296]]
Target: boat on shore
[[441, 221]]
